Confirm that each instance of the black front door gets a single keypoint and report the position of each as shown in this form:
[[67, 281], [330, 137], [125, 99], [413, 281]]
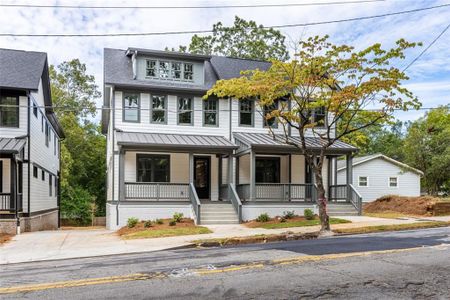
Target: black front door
[[202, 176]]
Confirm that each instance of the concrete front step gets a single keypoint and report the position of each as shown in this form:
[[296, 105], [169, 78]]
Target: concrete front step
[[218, 222], [218, 213]]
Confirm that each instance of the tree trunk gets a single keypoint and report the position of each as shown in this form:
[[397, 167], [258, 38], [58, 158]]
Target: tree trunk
[[322, 201]]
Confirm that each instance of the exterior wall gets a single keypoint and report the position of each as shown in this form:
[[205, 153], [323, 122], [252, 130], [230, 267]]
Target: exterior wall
[[143, 212], [378, 172], [45, 221], [252, 211]]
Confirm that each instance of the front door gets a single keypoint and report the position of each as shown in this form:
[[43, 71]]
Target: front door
[[202, 176]]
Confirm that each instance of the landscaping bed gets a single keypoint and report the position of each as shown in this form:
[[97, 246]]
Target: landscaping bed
[[161, 228], [4, 238], [397, 227], [294, 221]]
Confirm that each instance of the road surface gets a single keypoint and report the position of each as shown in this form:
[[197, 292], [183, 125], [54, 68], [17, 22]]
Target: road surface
[[401, 265]]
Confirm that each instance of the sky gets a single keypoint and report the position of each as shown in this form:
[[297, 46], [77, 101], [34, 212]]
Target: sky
[[429, 76]]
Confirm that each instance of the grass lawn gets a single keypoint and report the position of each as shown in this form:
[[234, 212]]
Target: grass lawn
[[380, 228], [296, 223], [387, 215], [166, 232]]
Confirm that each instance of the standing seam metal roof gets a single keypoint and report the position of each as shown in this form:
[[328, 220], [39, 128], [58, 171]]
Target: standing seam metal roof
[[11, 145]]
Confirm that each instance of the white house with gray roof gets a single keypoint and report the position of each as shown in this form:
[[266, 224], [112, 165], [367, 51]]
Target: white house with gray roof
[[29, 144], [168, 150], [377, 175]]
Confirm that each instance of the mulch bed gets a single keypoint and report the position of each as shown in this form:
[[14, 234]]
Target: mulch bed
[[185, 222], [4, 238], [418, 206], [276, 220]]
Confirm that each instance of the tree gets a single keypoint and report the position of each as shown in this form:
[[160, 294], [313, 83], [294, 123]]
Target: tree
[[336, 78], [245, 39], [427, 148]]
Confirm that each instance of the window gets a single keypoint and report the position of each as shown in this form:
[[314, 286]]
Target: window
[[47, 134], [159, 105], [35, 110], [267, 170], [176, 70], [210, 109], [272, 122], [9, 111], [150, 69], [54, 144], [393, 181], [188, 71], [35, 172], [50, 185], [319, 116], [153, 168], [246, 112], [131, 107], [164, 69], [42, 123], [43, 175], [363, 181], [185, 110]]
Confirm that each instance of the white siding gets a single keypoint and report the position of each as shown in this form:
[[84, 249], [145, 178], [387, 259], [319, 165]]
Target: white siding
[[378, 172]]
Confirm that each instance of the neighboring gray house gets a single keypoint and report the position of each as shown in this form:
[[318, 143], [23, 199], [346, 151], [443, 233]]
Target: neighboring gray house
[[168, 150], [29, 144], [377, 175]]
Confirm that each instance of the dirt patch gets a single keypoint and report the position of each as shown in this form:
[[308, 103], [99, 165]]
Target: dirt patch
[[4, 238], [415, 206], [396, 227], [82, 227], [185, 223]]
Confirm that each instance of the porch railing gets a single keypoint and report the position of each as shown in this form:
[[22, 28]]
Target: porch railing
[[157, 191], [5, 201], [195, 203], [234, 198], [356, 199], [346, 193], [288, 192]]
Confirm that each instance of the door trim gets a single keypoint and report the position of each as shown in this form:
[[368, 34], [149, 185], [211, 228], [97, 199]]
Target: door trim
[[207, 157]]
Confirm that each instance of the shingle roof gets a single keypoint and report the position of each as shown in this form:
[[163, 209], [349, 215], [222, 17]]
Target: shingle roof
[[21, 69], [228, 67], [171, 141], [11, 145], [263, 140]]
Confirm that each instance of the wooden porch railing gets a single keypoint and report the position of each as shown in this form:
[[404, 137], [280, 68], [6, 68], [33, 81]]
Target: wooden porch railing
[[289, 192], [157, 191], [6, 205]]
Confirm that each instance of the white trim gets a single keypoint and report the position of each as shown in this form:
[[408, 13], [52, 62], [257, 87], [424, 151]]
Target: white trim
[[359, 181], [389, 182]]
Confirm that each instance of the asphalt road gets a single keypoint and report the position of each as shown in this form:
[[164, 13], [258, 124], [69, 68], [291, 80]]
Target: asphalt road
[[401, 265]]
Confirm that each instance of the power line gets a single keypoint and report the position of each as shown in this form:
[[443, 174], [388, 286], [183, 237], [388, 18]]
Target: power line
[[193, 6], [426, 49], [209, 31]]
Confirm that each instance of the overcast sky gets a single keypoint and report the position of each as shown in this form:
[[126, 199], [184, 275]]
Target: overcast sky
[[429, 76]]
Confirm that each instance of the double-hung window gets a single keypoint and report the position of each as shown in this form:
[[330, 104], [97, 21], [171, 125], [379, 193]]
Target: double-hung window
[[319, 116], [393, 181], [164, 69], [131, 107], [185, 112], [363, 181], [9, 111], [267, 169], [153, 168], [159, 106], [176, 70], [246, 110], [188, 71], [210, 111], [268, 120], [47, 134], [150, 69]]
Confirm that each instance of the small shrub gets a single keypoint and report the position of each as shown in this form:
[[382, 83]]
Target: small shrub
[[148, 224], [283, 220], [159, 221], [172, 223], [309, 214], [177, 217], [288, 214], [132, 222], [263, 218]]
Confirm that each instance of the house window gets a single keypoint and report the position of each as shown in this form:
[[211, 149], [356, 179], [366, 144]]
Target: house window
[[35, 172], [268, 109], [319, 116], [164, 69], [43, 175], [131, 107], [188, 71], [47, 134], [267, 170], [153, 168], [246, 112], [159, 106], [50, 185], [54, 144], [176, 70], [363, 181], [210, 109], [35, 110], [42, 123], [150, 69], [393, 181], [9, 111], [185, 110]]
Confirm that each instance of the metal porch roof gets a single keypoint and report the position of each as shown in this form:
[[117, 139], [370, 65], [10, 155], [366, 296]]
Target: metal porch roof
[[11, 145]]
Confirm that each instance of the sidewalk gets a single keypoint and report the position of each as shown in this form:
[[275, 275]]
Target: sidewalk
[[61, 244]]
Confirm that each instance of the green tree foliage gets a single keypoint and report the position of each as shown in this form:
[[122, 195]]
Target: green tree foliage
[[310, 82], [427, 148], [245, 39], [74, 93]]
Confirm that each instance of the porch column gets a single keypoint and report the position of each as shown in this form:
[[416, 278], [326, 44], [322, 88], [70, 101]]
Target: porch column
[[219, 170], [330, 176], [289, 176], [335, 160], [13, 184], [252, 176], [191, 167], [236, 180], [121, 175], [230, 168], [349, 173]]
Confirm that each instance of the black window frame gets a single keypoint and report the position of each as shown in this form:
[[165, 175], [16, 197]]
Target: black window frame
[[276, 172], [125, 108], [50, 185], [152, 109], [47, 134], [35, 110], [43, 175], [207, 111], [2, 108], [252, 112], [152, 171], [184, 111], [35, 172]]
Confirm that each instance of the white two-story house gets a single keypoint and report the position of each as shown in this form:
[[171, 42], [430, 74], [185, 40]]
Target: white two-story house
[[29, 144], [168, 150]]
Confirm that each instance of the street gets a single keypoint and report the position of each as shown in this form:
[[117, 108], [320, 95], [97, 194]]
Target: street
[[396, 265]]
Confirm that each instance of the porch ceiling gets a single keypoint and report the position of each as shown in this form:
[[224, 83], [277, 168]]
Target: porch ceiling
[[267, 143], [175, 142], [11, 145]]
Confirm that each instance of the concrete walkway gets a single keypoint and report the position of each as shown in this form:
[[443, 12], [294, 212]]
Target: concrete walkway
[[63, 244]]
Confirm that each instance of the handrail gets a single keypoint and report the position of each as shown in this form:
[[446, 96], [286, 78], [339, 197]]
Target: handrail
[[234, 198], [195, 202], [357, 203]]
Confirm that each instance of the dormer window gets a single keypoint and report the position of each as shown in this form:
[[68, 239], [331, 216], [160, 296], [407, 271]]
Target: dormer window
[[188, 71], [169, 70], [150, 70], [164, 69], [176, 70]]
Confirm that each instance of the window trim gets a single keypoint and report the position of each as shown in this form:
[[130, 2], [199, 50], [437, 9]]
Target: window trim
[[17, 125], [216, 111], [146, 155], [252, 113], [124, 94], [359, 181], [181, 111], [165, 108], [396, 181]]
